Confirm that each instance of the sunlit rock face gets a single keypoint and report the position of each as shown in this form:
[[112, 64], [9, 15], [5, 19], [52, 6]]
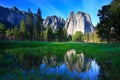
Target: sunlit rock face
[[74, 61], [54, 22], [79, 22]]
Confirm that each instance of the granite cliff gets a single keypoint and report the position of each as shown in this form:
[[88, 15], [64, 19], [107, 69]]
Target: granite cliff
[[54, 22], [79, 22], [13, 15]]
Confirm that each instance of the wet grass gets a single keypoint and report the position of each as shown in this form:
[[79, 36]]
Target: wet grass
[[107, 55]]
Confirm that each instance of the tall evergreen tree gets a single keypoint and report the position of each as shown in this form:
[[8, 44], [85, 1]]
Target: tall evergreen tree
[[39, 25], [64, 34], [8, 33], [23, 29], [2, 31], [60, 35], [49, 34], [30, 23], [12, 34], [15, 32]]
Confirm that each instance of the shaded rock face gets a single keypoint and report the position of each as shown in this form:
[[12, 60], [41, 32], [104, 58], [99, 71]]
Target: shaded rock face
[[79, 22], [54, 22], [13, 15]]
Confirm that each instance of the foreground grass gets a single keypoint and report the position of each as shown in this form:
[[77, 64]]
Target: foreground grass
[[107, 55]]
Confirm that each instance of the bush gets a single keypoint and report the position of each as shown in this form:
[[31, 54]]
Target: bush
[[78, 36]]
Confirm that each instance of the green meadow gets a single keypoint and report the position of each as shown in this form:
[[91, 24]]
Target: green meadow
[[106, 55]]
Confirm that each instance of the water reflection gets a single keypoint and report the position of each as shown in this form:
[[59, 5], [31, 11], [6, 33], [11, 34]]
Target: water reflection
[[74, 61], [63, 70], [50, 61], [74, 66]]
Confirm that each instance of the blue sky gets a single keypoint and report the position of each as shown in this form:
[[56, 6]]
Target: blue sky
[[59, 7]]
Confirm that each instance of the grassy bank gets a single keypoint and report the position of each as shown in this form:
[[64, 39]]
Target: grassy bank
[[107, 55]]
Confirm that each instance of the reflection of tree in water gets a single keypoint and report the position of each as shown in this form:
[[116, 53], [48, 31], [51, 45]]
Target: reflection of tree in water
[[75, 61], [50, 67], [72, 60]]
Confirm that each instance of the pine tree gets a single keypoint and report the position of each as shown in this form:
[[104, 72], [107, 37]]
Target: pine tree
[[30, 23], [22, 29], [15, 32], [39, 25], [64, 34], [49, 34], [2, 31], [60, 35]]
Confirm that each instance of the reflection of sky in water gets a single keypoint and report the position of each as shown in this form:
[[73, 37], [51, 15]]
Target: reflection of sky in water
[[63, 70], [75, 67]]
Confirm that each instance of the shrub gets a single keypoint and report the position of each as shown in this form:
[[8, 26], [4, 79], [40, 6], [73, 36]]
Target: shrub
[[78, 36]]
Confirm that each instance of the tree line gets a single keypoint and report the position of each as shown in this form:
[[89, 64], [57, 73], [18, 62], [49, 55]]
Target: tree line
[[27, 30], [35, 31]]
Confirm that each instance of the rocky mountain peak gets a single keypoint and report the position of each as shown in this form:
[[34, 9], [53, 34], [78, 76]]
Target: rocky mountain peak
[[72, 13], [79, 22], [12, 16], [14, 9], [54, 22]]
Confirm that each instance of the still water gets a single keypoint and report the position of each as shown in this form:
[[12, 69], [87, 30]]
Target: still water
[[73, 67]]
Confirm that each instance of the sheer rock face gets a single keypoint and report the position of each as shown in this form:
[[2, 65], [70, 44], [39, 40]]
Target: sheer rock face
[[79, 22], [54, 22], [13, 15]]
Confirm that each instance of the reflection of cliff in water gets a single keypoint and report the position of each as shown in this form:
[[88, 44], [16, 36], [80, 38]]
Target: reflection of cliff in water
[[73, 66], [77, 61], [74, 61]]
